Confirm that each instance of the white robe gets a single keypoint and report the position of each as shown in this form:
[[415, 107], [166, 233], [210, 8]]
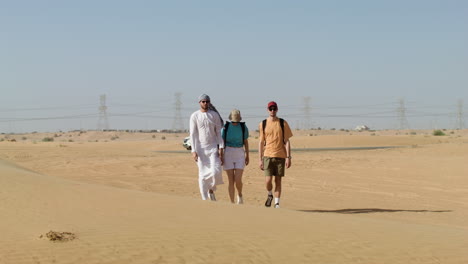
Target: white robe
[[205, 136]]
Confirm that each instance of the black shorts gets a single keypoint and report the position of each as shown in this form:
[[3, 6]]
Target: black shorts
[[274, 166]]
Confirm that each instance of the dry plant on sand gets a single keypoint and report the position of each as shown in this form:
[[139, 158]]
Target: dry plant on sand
[[59, 236]]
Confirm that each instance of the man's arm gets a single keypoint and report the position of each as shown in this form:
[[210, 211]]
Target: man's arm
[[218, 130], [193, 136], [260, 152], [220, 139], [288, 154]]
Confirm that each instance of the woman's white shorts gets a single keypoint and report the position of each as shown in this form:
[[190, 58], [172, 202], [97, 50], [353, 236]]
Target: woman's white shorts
[[234, 158]]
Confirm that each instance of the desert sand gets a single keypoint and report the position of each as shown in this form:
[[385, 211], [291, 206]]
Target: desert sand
[[133, 198]]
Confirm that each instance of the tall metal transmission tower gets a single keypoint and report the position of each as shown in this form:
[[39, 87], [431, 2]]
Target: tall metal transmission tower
[[177, 124], [103, 122], [307, 124], [460, 119], [401, 110]]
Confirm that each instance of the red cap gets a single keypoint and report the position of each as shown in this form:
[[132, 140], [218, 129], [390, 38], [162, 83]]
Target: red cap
[[272, 103]]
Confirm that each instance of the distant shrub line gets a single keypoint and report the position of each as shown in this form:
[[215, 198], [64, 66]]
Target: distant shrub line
[[438, 132]]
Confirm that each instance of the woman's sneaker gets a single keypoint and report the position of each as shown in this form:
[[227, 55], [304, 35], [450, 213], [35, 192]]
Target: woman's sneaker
[[240, 200], [269, 200], [277, 205]]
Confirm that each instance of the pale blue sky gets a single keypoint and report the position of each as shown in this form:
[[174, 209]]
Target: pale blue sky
[[354, 59]]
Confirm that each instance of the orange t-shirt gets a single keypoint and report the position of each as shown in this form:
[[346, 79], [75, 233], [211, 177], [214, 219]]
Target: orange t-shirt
[[273, 137]]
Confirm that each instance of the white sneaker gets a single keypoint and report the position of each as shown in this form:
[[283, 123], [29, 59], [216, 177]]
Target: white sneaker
[[240, 200], [212, 196], [277, 205]]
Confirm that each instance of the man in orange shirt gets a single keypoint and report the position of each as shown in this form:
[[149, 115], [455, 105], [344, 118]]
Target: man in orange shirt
[[274, 151]]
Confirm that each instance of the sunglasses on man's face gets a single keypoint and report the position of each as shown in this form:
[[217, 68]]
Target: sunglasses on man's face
[[273, 109], [205, 102]]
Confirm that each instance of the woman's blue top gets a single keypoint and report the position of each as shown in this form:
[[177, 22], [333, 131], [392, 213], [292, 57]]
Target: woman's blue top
[[234, 135]]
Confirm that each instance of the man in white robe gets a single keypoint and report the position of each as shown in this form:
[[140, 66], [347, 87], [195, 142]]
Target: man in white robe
[[207, 146]]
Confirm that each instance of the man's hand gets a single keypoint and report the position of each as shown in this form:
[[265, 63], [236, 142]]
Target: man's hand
[[221, 155], [195, 156], [261, 164], [288, 162]]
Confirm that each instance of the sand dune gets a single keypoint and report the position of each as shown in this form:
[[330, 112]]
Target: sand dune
[[127, 203]]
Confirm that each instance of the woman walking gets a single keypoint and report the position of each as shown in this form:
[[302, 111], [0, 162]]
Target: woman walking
[[236, 153]]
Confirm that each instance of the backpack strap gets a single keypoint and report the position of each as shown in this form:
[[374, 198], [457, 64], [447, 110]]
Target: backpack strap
[[226, 127], [263, 128], [282, 127], [242, 124]]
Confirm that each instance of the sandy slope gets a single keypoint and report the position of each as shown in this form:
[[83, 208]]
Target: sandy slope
[[127, 203]]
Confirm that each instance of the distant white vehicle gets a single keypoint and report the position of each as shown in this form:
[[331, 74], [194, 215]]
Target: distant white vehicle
[[187, 144], [362, 128]]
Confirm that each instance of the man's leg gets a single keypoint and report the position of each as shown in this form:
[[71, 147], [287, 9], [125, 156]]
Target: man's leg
[[215, 172], [278, 186], [277, 190], [203, 189], [203, 185], [269, 187], [211, 195]]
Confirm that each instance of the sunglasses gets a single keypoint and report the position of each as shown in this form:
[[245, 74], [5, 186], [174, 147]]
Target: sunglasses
[[273, 109], [205, 102]]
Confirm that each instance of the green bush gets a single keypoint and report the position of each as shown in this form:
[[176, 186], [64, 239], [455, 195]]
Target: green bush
[[438, 132], [48, 139]]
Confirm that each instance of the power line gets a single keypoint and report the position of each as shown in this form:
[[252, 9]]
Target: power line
[[300, 112], [35, 109], [307, 123]]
